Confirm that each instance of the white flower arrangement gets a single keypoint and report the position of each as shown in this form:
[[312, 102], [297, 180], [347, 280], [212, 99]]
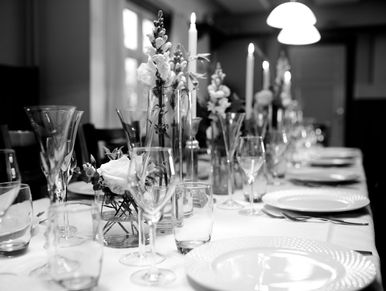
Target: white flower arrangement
[[218, 94]]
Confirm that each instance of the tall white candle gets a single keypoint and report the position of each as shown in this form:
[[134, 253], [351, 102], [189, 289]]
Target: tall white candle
[[266, 76], [249, 81], [192, 63]]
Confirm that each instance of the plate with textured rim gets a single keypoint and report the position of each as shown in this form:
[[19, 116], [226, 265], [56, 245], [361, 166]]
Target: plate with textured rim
[[277, 263], [81, 188], [332, 162], [324, 176], [316, 200], [337, 153]]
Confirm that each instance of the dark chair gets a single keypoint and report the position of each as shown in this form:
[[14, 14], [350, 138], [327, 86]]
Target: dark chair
[[97, 138], [28, 158]]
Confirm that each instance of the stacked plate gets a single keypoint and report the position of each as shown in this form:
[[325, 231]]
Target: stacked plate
[[277, 263], [334, 157], [316, 200]]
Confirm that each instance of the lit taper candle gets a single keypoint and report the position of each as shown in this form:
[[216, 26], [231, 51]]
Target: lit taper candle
[[266, 76], [249, 81], [192, 63]]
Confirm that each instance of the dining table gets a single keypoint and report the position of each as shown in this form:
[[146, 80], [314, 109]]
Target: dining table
[[228, 224]]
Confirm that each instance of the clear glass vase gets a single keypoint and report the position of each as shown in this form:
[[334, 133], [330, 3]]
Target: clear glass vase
[[119, 219]]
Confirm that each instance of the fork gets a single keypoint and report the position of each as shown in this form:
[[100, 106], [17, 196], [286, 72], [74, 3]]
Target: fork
[[304, 218]]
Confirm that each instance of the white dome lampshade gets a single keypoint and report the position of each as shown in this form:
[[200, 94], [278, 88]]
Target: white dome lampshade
[[299, 35], [291, 13]]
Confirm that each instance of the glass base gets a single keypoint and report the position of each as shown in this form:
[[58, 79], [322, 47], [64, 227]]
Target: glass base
[[250, 211], [153, 277], [136, 259], [230, 204]]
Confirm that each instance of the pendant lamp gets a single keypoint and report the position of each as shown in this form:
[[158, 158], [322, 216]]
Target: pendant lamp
[[299, 35], [291, 13]]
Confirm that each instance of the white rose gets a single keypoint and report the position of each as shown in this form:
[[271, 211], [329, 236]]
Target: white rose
[[264, 97], [115, 174]]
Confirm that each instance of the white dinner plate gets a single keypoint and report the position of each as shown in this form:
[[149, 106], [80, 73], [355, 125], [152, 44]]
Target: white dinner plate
[[332, 162], [277, 263], [81, 188], [337, 153], [323, 176], [316, 200]]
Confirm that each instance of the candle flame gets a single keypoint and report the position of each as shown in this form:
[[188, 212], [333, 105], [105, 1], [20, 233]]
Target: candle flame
[[251, 48], [287, 76], [193, 18], [265, 65]]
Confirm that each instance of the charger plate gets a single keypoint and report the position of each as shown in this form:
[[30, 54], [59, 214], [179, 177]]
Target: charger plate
[[277, 263], [81, 188], [316, 200]]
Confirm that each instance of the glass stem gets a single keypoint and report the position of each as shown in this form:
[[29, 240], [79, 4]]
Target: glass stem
[[153, 272], [141, 238], [230, 192], [251, 181]]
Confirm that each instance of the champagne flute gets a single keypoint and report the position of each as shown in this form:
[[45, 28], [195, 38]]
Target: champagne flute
[[251, 156], [152, 182], [51, 125], [10, 179], [230, 125]]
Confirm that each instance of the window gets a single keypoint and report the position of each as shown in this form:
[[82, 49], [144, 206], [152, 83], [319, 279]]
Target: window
[[137, 23]]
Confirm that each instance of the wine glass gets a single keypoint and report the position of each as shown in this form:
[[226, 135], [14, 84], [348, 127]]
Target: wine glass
[[134, 124], [51, 125], [277, 146], [69, 162], [10, 179], [230, 125], [152, 183], [251, 156]]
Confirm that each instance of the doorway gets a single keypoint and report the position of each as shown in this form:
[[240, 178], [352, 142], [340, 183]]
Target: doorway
[[319, 78]]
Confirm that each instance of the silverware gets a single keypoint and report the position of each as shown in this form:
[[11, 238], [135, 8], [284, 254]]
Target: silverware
[[364, 252], [271, 213], [304, 218]]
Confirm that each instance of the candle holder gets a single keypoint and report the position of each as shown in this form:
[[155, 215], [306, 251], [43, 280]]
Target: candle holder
[[191, 150]]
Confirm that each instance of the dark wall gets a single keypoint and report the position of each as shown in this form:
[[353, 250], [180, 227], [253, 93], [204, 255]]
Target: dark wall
[[19, 86]]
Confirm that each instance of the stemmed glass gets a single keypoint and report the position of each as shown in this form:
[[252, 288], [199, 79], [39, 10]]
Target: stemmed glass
[[230, 125], [9, 178], [277, 145], [51, 125], [152, 183], [69, 162], [134, 125], [251, 156]]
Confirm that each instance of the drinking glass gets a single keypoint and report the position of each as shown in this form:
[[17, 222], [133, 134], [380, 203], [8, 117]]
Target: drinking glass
[[69, 163], [16, 224], [134, 124], [193, 211], [9, 172], [75, 260], [152, 183], [230, 125], [251, 156], [277, 145], [51, 126]]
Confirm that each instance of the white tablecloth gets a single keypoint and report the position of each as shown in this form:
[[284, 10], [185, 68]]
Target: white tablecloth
[[227, 224]]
